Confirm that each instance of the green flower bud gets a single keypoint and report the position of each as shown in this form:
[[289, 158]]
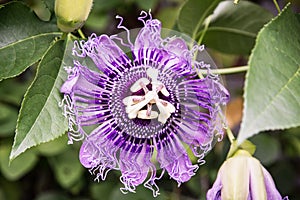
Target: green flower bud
[[71, 14]]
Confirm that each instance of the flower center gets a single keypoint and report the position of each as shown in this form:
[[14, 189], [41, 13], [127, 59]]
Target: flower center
[[141, 106]]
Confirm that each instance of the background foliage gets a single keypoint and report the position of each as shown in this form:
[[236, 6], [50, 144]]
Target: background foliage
[[32, 56]]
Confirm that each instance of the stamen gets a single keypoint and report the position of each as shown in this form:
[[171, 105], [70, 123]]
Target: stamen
[[144, 115], [132, 100], [134, 104], [139, 84]]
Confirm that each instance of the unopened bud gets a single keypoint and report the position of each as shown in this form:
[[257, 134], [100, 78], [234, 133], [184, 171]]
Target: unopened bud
[[72, 14], [243, 177]]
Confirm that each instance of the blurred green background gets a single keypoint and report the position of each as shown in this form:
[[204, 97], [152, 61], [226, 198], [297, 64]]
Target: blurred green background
[[53, 171]]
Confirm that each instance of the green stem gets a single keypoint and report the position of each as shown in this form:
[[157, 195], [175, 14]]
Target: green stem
[[73, 37], [200, 41], [207, 22], [64, 36], [230, 135], [277, 6], [81, 34], [230, 70], [233, 144]]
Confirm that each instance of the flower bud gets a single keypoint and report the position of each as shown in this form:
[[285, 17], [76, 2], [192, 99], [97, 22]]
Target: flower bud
[[243, 177], [71, 14]]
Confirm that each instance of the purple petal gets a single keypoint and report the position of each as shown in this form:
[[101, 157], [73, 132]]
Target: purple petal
[[67, 87], [198, 114], [178, 47], [175, 160], [134, 168], [272, 192], [214, 193], [98, 153], [90, 100], [149, 35], [89, 155], [219, 93], [105, 53]]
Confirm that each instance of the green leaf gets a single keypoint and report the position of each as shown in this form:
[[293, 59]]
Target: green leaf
[[12, 90], [146, 5], [40, 118], [51, 196], [292, 142], [268, 148], [97, 21], [23, 38], [168, 16], [10, 189], [2, 196], [67, 168], [246, 145], [233, 28], [142, 193], [105, 6], [285, 175], [49, 4], [8, 120], [272, 82], [103, 190], [53, 147], [40, 8], [193, 13], [19, 167]]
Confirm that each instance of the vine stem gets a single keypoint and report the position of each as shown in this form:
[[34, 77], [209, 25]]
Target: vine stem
[[230, 70], [81, 34], [230, 135], [277, 6], [207, 22], [64, 36]]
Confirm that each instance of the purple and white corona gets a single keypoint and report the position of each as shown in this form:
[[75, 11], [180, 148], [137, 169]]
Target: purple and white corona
[[144, 107]]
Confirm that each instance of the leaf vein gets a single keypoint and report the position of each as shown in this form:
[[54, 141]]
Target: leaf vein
[[232, 30], [285, 86], [30, 38]]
